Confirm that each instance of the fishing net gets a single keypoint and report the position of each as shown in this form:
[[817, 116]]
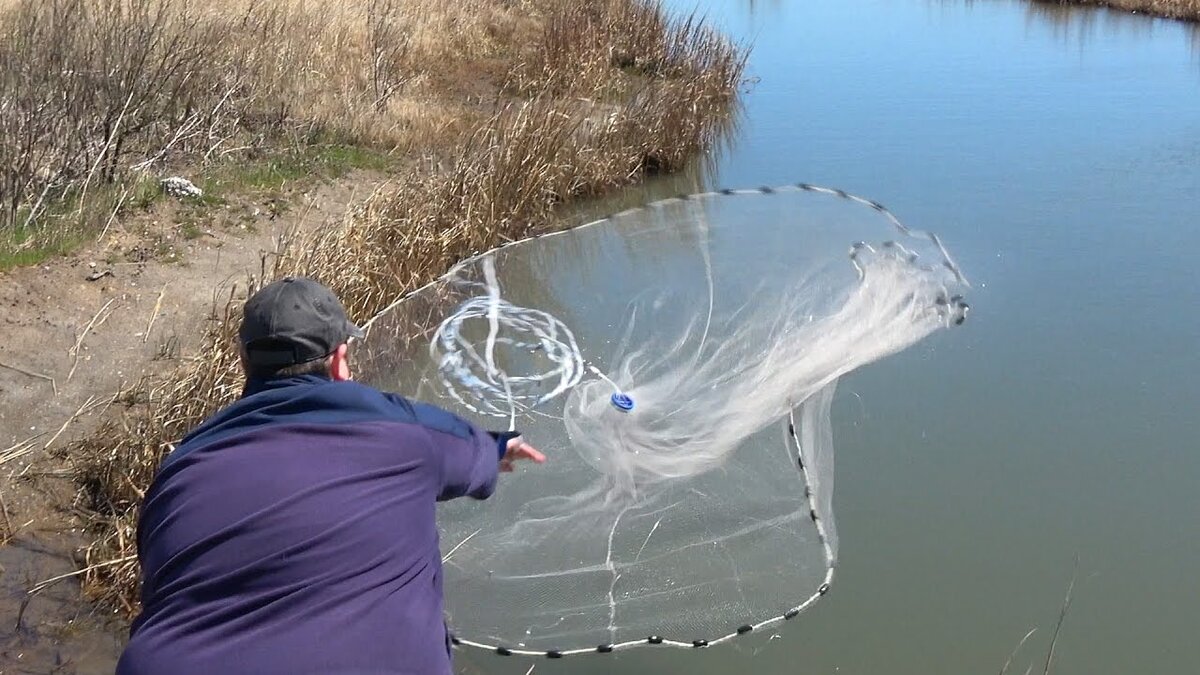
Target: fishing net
[[677, 364]]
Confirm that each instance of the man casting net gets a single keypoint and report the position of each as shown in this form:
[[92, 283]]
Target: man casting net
[[677, 363]]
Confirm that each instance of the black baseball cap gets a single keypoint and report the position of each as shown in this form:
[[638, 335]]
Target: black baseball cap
[[291, 321]]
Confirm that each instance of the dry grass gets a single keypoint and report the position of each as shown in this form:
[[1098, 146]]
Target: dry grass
[[603, 92], [1173, 9], [100, 93]]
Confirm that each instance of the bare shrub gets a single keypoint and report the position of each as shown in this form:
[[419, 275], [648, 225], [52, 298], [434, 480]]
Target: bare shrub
[[99, 92], [80, 80]]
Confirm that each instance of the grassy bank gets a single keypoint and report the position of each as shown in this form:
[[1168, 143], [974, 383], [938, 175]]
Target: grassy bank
[[97, 97], [1172, 9], [559, 99]]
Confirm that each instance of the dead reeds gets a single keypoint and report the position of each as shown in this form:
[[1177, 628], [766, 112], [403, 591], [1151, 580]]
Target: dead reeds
[[600, 94], [1172, 9], [97, 95]]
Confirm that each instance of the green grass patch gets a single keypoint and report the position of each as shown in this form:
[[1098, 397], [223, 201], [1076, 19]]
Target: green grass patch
[[63, 226], [56, 231], [21, 252], [338, 160], [273, 173], [144, 195], [269, 176]]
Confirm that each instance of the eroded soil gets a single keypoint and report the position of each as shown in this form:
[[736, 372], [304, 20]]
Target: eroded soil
[[82, 329]]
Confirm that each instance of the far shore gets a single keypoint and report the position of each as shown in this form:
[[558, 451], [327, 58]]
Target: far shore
[[1188, 10]]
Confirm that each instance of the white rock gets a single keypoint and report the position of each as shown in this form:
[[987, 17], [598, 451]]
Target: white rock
[[177, 186]]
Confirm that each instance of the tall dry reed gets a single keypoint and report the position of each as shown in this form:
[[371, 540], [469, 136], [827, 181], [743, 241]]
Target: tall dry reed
[[102, 92], [649, 103], [1173, 9]]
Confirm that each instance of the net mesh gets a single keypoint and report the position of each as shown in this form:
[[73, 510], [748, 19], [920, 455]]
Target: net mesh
[[677, 363]]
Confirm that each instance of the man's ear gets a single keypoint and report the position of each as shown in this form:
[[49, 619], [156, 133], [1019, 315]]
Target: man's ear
[[339, 364]]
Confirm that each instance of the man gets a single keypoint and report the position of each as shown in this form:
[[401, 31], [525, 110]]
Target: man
[[294, 532]]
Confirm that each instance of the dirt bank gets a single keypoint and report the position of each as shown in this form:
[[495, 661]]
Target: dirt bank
[[96, 323]]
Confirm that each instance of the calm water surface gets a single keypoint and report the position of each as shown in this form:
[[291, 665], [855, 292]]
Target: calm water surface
[[1058, 153]]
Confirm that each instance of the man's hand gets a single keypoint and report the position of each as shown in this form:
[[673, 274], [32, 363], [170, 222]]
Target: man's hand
[[516, 450]]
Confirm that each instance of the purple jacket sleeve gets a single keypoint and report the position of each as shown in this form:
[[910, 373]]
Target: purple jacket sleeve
[[466, 466], [467, 458]]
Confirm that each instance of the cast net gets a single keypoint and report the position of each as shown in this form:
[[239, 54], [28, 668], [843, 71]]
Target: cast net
[[677, 364]]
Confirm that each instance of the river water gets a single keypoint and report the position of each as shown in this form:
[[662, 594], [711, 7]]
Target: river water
[[1058, 153]]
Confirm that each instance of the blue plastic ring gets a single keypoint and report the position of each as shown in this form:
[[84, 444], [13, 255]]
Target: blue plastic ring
[[622, 402]]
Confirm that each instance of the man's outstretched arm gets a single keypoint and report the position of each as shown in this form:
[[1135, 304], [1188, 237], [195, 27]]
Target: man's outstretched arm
[[468, 458], [469, 468]]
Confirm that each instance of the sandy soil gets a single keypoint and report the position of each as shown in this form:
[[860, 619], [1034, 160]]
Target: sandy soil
[[94, 323]]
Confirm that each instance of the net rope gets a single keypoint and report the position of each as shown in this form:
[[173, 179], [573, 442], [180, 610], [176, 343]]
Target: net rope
[[473, 379], [494, 357]]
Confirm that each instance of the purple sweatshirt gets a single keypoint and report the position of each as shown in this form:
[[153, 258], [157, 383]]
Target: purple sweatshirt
[[294, 532]]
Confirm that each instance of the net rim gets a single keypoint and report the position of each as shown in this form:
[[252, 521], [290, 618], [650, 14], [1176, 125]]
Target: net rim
[[949, 263]]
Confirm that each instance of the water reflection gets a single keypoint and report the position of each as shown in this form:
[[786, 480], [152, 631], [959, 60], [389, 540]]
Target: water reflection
[[1056, 149], [1083, 24], [756, 7]]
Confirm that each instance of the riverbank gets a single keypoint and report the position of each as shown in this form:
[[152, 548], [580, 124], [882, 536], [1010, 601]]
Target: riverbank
[[1171, 9], [493, 116]]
